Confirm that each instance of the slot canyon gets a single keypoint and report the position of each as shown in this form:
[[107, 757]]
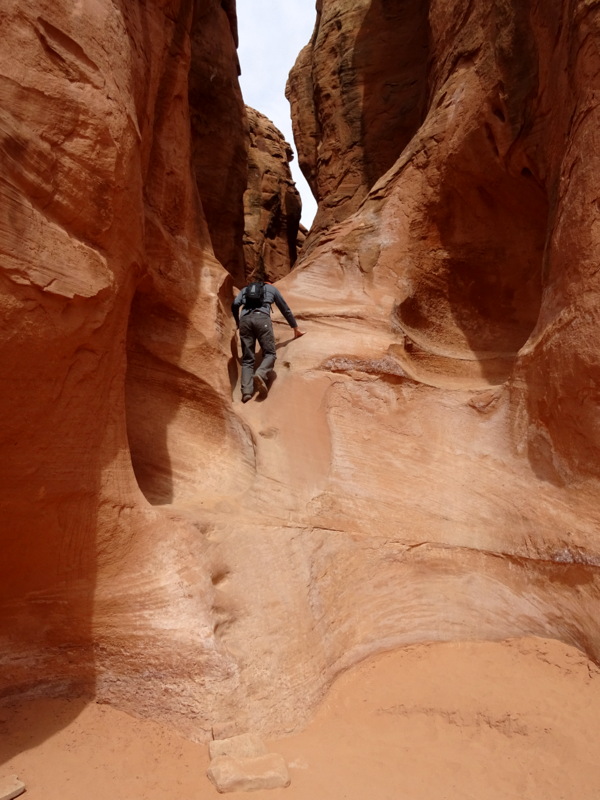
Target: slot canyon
[[417, 494]]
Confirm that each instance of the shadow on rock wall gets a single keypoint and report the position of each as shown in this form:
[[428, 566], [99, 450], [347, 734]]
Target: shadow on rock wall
[[390, 59]]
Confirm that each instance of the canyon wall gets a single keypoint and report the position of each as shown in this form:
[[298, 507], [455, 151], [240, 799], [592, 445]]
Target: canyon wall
[[271, 202], [425, 464], [115, 338], [449, 281], [491, 252]]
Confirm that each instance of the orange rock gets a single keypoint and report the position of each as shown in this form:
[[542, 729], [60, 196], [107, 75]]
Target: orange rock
[[358, 95], [425, 464], [110, 290], [249, 774], [11, 787], [219, 129], [271, 202]]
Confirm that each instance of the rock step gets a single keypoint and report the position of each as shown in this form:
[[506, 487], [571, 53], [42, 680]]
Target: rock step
[[11, 787], [243, 764]]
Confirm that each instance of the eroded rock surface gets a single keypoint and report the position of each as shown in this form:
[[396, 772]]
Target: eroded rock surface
[[271, 202], [115, 339], [425, 465], [358, 95], [469, 228], [219, 128]]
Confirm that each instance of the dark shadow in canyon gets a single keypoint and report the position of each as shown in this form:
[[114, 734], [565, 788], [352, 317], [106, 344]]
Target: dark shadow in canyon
[[390, 62], [492, 213], [219, 128], [478, 295], [170, 395], [178, 423], [157, 328], [493, 227], [478, 288], [52, 463], [234, 364], [479, 245]]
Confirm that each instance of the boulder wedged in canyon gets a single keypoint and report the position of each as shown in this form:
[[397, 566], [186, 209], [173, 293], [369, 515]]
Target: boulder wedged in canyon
[[424, 465], [271, 202]]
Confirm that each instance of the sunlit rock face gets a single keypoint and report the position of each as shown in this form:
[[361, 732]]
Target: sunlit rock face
[[474, 214], [219, 129], [358, 95], [271, 202], [424, 466], [450, 289]]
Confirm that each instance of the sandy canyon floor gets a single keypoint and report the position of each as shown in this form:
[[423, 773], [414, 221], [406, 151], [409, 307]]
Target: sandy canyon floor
[[518, 719]]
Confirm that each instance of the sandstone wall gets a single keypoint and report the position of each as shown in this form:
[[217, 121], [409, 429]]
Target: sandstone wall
[[220, 135], [449, 292], [357, 93], [424, 467], [114, 339], [271, 202]]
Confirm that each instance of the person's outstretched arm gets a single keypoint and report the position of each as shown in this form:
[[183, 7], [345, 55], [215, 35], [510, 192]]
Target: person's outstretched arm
[[287, 312]]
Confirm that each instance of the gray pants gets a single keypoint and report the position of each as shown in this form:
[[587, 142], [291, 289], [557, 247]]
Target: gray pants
[[256, 327]]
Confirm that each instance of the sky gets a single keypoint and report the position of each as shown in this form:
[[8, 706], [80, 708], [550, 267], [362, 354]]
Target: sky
[[272, 33]]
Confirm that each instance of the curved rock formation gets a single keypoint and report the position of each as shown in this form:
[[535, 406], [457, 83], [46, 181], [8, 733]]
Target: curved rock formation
[[424, 467], [219, 128], [473, 215], [457, 275], [358, 94], [115, 339], [271, 201]]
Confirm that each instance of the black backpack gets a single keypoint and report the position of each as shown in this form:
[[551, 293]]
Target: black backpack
[[255, 295]]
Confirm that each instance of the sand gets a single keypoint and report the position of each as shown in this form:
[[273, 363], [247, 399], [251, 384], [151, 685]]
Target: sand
[[518, 719]]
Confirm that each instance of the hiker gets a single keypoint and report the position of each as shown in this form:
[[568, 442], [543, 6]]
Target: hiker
[[255, 325]]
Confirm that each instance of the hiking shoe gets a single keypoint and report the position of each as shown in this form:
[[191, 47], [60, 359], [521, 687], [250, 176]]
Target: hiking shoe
[[260, 386], [246, 397]]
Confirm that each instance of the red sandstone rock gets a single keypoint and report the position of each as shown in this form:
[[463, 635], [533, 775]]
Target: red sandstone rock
[[110, 290], [272, 203], [473, 221], [357, 94], [456, 280], [424, 467], [219, 129]]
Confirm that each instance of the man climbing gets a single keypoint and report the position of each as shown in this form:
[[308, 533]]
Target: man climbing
[[255, 325]]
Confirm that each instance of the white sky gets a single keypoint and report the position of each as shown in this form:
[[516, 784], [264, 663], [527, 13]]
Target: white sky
[[272, 33]]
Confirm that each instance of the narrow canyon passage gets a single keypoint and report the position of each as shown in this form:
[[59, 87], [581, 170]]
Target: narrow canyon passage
[[423, 472]]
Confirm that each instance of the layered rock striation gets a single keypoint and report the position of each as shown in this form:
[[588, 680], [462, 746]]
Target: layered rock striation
[[432, 279], [425, 465], [115, 338], [358, 95], [272, 204], [466, 215]]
